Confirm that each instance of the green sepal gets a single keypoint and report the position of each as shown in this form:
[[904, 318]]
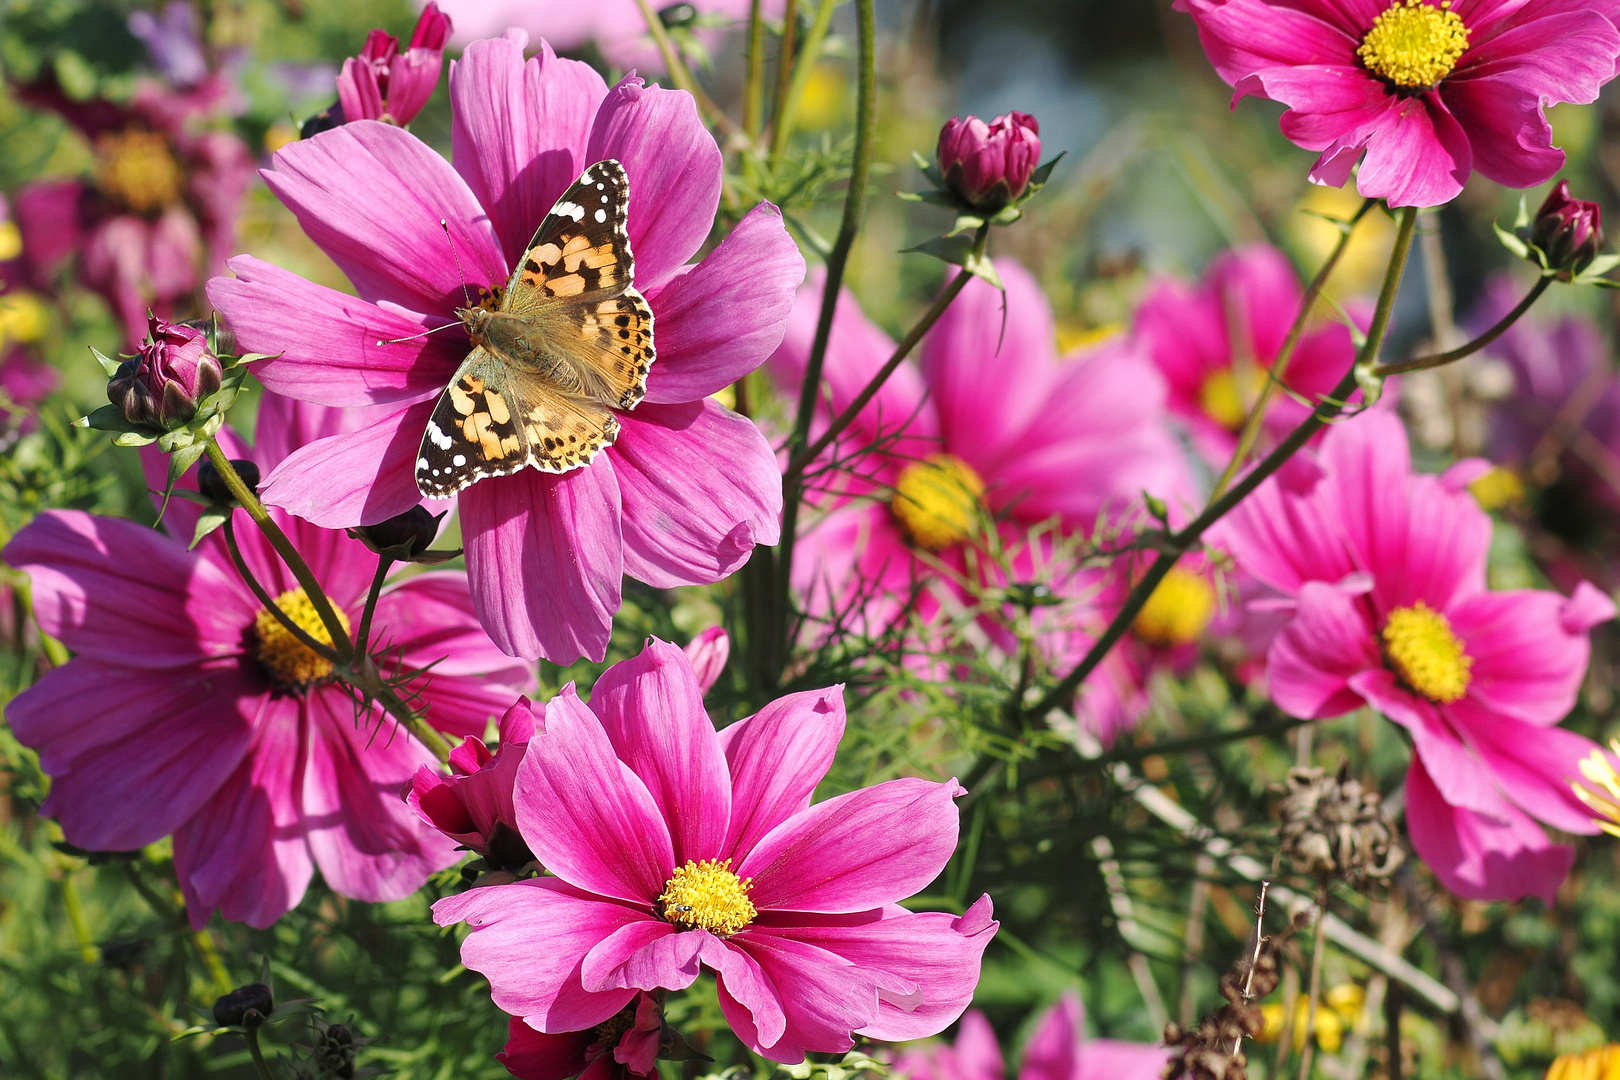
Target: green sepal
[[964, 222], [958, 250], [941, 198], [1593, 274], [179, 462], [1156, 507], [1007, 215], [1514, 245], [211, 519], [1521, 220], [1344, 225], [1372, 385], [929, 169], [191, 496], [109, 365]]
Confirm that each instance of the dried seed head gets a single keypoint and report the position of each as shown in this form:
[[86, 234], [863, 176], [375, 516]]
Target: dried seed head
[[1333, 828]]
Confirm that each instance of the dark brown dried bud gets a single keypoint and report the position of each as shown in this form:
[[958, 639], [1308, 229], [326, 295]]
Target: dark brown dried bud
[[212, 485], [404, 535], [246, 1006], [1333, 828]]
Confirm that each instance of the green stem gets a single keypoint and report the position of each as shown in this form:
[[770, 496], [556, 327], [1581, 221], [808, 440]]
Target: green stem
[[837, 260], [289, 554], [680, 74], [784, 72], [75, 914], [252, 1037], [1470, 348], [1167, 747], [319, 648], [1279, 365], [363, 638], [1180, 543], [787, 106], [754, 90], [1315, 998]]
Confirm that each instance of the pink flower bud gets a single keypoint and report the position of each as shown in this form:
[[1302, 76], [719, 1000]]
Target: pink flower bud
[[708, 653], [171, 374], [988, 166], [474, 804], [1569, 231], [385, 84]]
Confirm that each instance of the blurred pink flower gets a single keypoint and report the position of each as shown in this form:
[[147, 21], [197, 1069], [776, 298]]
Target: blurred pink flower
[[674, 848], [385, 84], [189, 710], [623, 1047], [616, 27], [157, 214], [1428, 90], [473, 805], [1058, 1050], [689, 487], [708, 653], [986, 422], [1214, 342], [1386, 574]]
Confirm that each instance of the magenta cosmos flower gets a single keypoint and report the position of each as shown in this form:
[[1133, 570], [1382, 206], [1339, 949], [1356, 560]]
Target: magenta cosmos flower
[[188, 709], [1386, 571], [672, 848], [689, 487], [1058, 1050], [157, 213], [1428, 90], [1215, 341], [383, 83]]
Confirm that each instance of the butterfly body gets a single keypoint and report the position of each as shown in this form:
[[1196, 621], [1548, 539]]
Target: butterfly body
[[570, 342]]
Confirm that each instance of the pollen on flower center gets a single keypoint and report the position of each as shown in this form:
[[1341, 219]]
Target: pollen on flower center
[[289, 661], [137, 168], [708, 895], [937, 501], [1426, 654], [1224, 400], [1604, 793], [1414, 44], [1178, 610], [608, 1031]]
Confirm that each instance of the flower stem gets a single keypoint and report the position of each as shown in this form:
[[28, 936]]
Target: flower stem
[[790, 91], [681, 75], [1315, 994], [1279, 365], [1180, 543], [754, 89], [252, 1037], [865, 131], [289, 554], [785, 72], [1434, 360], [319, 648], [363, 638]]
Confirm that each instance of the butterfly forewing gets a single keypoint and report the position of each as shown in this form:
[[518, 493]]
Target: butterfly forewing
[[572, 341]]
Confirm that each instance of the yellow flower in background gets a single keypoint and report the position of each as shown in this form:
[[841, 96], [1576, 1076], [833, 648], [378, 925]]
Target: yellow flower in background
[[1312, 239], [1602, 790], [10, 241], [822, 102], [1339, 1012], [1498, 488], [1600, 1064], [24, 318]]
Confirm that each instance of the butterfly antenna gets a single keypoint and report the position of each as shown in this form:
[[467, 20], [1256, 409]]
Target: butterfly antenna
[[413, 337], [465, 295]]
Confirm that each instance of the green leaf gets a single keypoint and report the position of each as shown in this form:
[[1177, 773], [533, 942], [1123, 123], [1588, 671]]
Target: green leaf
[[1038, 178], [211, 519], [1512, 243], [952, 249], [109, 365], [964, 222]]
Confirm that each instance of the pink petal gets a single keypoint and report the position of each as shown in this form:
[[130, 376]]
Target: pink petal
[[673, 166], [1462, 778], [283, 424], [1245, 36], [358, 92], [708, 653], [752, 1004], [1315, 657], [100, 583], [700, 488], [244, 853], [531, 1055], [371, 196], [652, 709], [360, 478], [412, 78], [723, 318], [824, 998], [649, 955], [367, 842], [518, 132], [1418, 156], [542, 985], [586, 816], [1258, 284], [1185, 333], [133, 753], [976, 1054], [559, 538], [1525, 664], [430, 618], [1110, 1059], [777, 757], [1289, 531], [1586, 607], [991, 346], [1500, 856], [856, 851], [326, 345], [1053, 1051], [1536, 767]]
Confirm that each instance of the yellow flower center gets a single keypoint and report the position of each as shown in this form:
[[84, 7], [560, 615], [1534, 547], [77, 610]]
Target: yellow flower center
[[24, 317], [937, 501], [1226, 401], [1425, 653], [1604, 795], [138, 169], [1602, 1063], [1414, 44], [1498, 488], [10, 241], [289, 661], [608, 1031], [1178, 610], [708, 895]]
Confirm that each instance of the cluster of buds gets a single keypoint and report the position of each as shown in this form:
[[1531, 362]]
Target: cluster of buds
[[1214, 1049], [1334, 828]]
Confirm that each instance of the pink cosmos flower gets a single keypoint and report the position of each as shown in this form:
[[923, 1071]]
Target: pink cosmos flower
[[617, 28], [1215, 341], [689, 487], [1386, 571], [672, 848], [622, 1048], [1428, 90], [1058, 1050], [985, 423], [473, 805], [158, 212], [385, 84], [188, 709]]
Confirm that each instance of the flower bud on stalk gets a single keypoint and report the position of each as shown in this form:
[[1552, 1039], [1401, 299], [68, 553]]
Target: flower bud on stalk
[[171, 373], [988, 166], [1568, 231], [246, 1006], [403, 536], [213, 487]]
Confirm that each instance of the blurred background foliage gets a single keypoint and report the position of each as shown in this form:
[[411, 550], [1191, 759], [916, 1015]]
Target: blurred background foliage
[[98, 968]]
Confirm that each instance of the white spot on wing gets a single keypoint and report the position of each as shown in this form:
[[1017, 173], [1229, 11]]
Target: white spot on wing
[[421, 464], [440, 439], [571, 210], [459, 460], [601, 215]]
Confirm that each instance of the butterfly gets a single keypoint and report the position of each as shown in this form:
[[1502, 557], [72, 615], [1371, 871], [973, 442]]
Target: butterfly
[[571, 341]]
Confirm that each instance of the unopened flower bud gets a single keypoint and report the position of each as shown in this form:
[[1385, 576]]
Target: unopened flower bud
[[212, 485], [246, 1006], [989, 165], [403, 535], [1568, 231], [172, 372]]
